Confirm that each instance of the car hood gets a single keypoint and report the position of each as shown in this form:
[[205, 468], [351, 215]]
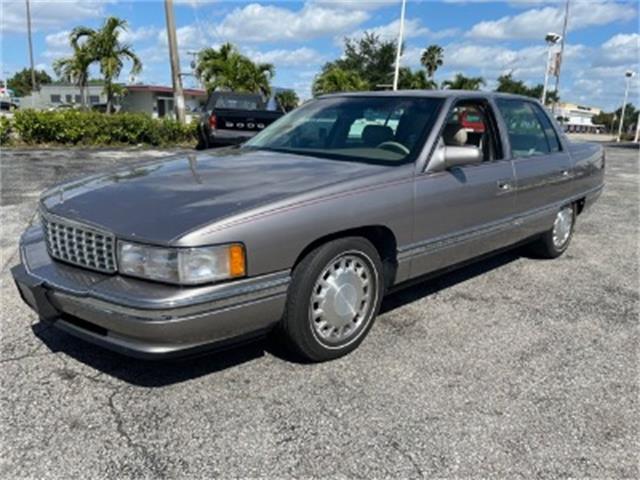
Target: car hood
[[160, 201]]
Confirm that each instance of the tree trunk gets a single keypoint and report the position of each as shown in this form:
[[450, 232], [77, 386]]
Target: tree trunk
[[109, 97]]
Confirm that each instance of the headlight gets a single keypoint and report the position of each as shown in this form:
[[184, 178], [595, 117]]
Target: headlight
[[189, 266]]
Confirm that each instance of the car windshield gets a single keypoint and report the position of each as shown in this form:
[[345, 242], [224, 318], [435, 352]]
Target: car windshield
[[382, 130]]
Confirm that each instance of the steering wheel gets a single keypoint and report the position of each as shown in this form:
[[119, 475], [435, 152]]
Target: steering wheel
[[394, 146]]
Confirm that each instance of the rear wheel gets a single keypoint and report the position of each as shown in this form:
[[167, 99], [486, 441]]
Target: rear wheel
[[555, 241], [334, 296]]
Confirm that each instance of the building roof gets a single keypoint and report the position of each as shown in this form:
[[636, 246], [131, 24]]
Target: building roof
[[196, 92]]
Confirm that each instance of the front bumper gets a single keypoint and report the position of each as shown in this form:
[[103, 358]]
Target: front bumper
[[140, 318]]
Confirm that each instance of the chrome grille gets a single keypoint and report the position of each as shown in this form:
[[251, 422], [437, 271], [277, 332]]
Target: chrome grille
[[79, 244]]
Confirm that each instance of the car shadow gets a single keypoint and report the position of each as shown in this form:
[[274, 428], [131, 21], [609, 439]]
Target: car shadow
[[160, 373]]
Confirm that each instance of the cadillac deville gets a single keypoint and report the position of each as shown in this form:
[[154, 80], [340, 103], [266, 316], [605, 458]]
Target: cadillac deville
[[304, 227]]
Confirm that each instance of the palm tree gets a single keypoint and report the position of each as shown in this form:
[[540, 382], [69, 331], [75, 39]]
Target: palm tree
[[106, 48], [336, 79], [226, 68], [257, 77], [75, 69], [432, 58], [460, 82], [287, 100], [415, 80]]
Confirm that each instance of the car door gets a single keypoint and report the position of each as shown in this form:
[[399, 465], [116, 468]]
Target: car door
[[542, 167], [463, 211]]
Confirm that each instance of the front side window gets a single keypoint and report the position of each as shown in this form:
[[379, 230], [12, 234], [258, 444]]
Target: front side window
[[526, 133], [472, 124], [384, 130], [56, 99]]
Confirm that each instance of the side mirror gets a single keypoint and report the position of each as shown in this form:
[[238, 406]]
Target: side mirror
[[460, 156]]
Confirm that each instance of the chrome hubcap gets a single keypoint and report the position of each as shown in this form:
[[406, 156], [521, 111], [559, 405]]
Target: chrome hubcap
[[562, 227], [342, 299]]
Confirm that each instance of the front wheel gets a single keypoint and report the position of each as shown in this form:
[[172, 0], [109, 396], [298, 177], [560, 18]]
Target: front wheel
[[334, 296], [555, 241]]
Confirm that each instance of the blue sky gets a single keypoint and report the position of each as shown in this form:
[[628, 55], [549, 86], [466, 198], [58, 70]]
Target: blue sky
[[479, 37]]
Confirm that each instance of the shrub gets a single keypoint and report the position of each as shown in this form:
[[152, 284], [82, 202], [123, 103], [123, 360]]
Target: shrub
[[5, 130], [73, 127]]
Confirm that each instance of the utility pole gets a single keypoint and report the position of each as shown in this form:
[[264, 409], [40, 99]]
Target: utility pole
[[399, 50], [561, 59], [628, 74], [33, 71], [178, 95]]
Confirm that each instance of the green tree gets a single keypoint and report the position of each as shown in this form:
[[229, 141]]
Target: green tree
[[287, 100], [431, 59], [225, 68], [415, 80], [75, 69], [105, 47], [20, 83], [507, 84], [366, 62], [337, 79], [605, 119], [630, 117], [461, 82]]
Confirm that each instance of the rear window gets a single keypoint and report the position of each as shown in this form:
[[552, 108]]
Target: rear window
[[238, 102]]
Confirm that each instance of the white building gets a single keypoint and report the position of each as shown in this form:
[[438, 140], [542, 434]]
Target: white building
[[578, 118], [57, 94], [157, 100]]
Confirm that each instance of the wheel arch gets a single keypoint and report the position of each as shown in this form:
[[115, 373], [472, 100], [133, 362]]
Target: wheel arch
[[380, 236]]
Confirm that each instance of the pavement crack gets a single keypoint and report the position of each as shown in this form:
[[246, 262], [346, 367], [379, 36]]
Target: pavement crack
[[148, 456], [406, 455]]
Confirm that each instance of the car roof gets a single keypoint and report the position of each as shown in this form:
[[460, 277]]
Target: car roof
[[428, 93]]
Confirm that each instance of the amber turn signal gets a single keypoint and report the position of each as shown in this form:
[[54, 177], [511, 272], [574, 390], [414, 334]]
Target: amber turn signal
[[237, 261]]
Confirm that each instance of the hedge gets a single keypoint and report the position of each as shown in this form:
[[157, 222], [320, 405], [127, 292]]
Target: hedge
[[5, 130], [74, 127]]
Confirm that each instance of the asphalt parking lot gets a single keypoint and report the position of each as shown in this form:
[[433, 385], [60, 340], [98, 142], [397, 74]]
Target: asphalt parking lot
[[511, 367]]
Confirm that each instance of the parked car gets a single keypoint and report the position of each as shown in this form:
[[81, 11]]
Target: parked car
[[7, 108], [231, 118], [306, 226]]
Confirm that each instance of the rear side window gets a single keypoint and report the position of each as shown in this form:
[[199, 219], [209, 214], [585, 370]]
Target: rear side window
[[526, 132], [552, 136]]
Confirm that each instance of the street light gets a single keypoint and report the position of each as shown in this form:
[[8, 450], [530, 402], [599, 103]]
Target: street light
[[552, 39], [628, 74]]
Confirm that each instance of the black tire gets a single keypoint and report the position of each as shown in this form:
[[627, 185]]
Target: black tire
[[202, 144], [546, 247], [297, 327]]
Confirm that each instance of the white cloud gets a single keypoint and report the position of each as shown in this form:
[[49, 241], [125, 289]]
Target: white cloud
[[132, 35], [359, 4], [260, 23], [193, 3], [535, 22], [621, 49], [188, 37], [58, 40], [412, 28], [285, 58], [48, 15]]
